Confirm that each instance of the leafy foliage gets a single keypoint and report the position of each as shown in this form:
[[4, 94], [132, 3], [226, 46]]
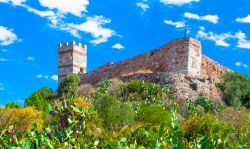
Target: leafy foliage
[[154, 115], [68, 86], [39, 102], [20, 120], [236, 89], [12, 105], [135, 118]]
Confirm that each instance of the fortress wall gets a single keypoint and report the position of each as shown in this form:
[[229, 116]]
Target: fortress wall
[[173, 57], [211, 68]]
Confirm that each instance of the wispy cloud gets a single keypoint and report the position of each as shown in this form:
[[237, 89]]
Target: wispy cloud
[[1, 87], [242, 40], [13, 2], [118, 46], [143, 5], [178, 24], [94, 26], [244, 19], [7, 36], [3, 60], [222, 39], [30, 58], [4, 50], [53, 77], [74, 7], [20, 101], [210, 18], [177, 2], [240, 64], [39, 76]]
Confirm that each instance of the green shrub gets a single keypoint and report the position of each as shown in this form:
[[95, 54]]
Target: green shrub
[[12, 105], [236, 89], [36, 100], [68, 86], [199, 125], [154, 115], [112, 111], [47, 93], [209, 105]]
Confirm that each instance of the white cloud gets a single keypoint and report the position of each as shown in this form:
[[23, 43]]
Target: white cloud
[[202, 28], [93, 25], [243, 20], [240, 64], [74, 7], [118, 46], [54, 77], [30, 58], [13, 2], [144, 6], [39, 76], [177, 2], [221, 39], [178, 24], [7, 36], [38, 12], [210, 18], [46, 76], [3, 60], [20, 101], [242, 41]]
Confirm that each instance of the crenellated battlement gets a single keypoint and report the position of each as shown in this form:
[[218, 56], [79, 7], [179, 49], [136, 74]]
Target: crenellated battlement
[[71, 45]]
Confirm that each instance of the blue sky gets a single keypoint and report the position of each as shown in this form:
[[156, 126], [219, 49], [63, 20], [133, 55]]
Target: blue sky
[[114, 30]]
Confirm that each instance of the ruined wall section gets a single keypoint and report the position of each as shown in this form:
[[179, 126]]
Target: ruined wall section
[[71, 59], [173, 57], [212, 69], [194, 58]]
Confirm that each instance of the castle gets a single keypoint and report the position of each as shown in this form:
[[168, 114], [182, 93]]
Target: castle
[[181, 56]]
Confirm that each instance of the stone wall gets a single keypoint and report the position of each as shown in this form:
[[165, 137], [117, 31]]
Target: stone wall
[[182, 86], [181, 55], [211, 68]]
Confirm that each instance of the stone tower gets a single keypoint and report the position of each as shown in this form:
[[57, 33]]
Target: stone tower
[[183, 55], [71, 59]]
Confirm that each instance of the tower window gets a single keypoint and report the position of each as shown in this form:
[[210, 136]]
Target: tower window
[[81, 70]]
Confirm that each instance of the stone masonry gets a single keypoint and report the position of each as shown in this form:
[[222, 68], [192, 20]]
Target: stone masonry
[[71, 59], [181, 60]]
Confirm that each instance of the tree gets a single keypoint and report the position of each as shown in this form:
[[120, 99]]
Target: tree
[[112, 111], [12, 105], [69, 85], [46, 93], [21, 119], [37, 100], [236, 89]]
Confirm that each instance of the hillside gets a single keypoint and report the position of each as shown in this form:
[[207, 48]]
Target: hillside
[[136, 114]]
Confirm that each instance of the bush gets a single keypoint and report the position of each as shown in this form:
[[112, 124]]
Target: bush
[[69, 85], [154, 115], [37, 100], [240, 119], [112, 111], [47, 93], [199, 125], [12, 105], [236, 89], [20, 120], [209, 105]]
